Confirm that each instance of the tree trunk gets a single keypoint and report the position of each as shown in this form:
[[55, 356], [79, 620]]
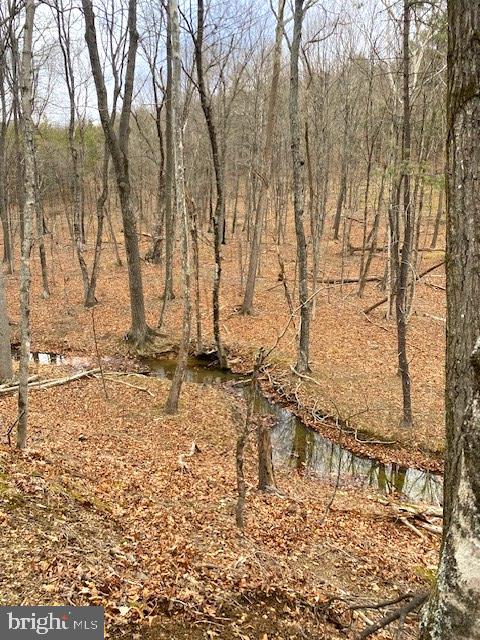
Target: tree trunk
[[265, 183], [402, 287], [438, 220], [7, 240], [118, 147], [180, 207], [5, 354], [454, 610], [304, 338], [169, 174], [217, 217], [26, 73]]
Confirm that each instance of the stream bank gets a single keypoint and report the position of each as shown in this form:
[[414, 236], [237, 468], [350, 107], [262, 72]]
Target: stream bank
[[296, 442]]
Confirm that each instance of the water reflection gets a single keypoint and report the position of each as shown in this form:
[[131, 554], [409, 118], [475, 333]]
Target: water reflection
[[38, 357], [296, 445]]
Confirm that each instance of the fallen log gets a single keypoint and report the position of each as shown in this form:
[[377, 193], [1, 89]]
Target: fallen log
[[348, 280], [48, 384]]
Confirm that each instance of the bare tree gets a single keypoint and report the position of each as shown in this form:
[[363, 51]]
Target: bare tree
[[265, 183], [218, 215], [180, 206], [304, 338], [404, 266], [118, 148], [28, 218]]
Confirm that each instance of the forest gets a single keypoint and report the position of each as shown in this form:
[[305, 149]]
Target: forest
[[239, 321]]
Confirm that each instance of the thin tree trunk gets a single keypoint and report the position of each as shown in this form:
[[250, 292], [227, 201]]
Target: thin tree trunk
[[265, 183], [26, 73], [7, 241], [217, 217], [168, 293], [118, 146], [304, 338], [402, 287], [5, 354], [90, 299], [438, 220], [181, 212]]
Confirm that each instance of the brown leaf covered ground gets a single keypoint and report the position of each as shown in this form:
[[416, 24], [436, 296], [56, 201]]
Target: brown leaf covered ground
[[98, 511], [353, 358]]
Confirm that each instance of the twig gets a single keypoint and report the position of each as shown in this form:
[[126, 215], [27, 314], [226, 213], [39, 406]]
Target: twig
[[11, 427], [127, 384], [416, 602]]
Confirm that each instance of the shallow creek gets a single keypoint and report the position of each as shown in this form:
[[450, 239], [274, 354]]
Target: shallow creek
[[306, 451], [294, 444]]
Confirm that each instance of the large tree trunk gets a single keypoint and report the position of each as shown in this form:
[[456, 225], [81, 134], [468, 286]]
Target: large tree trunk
[[454, 611], [5, 355], [181, 208], [304, 338], [28, 217]]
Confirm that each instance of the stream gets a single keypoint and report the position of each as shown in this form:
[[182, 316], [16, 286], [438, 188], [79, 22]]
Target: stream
[[294, 444], [299, 447]]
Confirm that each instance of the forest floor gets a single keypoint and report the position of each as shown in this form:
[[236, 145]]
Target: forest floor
[[98, 511], [353, 356]]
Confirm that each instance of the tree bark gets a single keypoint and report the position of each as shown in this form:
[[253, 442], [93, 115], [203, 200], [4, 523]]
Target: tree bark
[[26, 73], [180, 208], [5, 354], [454, 611], [218, 213], [118, 147], [402, 286], [304, 338]]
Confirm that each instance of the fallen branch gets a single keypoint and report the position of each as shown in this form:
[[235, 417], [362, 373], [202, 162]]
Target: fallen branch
[[48, 384], [14, 383], [348, 280], [415, 603], [417, 278], [108, 378]]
